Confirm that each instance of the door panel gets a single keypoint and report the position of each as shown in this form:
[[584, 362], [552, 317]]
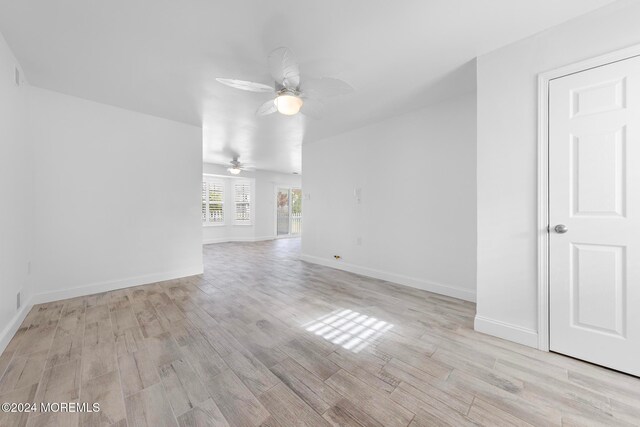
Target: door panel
[[296, 211], [283, 211], [598, 288], [597, 161], [594, 173]]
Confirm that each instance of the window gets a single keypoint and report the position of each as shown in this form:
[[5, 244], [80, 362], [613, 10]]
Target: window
[[243, 202], [212, 202]]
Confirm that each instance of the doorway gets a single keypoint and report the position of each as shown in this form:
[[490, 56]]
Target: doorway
[[593, 226], [288, 211]]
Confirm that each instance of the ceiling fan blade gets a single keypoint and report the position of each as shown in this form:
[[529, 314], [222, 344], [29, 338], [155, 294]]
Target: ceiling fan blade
[[243, 166], [267, 108], [245, 85], [312, 108], [284, 68], [326, 87]]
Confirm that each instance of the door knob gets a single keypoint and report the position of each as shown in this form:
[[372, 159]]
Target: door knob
[[561, 228]]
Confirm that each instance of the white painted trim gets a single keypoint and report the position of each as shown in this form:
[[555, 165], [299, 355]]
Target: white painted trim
[[10, 330], [288, 236], [506, 331], [236, 239], [543, 176], [275, 208], [543, 214], [111, 285], [438, 288]]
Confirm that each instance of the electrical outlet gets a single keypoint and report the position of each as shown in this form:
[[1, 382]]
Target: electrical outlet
[[18, 301], [17, 76]]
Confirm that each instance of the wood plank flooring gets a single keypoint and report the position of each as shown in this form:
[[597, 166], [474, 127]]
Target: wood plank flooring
[[262, 338]]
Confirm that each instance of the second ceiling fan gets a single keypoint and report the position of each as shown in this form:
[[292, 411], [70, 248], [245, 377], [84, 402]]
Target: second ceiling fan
[[291, 96]]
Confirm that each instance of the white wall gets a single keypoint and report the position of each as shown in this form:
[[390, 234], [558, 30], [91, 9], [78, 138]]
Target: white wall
[[263, 188], [417, 218], [507, 168], [117, 196], [16, 183]]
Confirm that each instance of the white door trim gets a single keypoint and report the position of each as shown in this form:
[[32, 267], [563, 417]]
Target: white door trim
[[543, 176]]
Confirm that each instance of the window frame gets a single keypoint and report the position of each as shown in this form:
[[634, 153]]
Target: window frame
[[249, 202], [209, 180]]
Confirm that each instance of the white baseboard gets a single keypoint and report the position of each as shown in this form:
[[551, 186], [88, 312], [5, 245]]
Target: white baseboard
[[425, 285], [115, 284], [10, 330], [287, 236], [506, 331], [237, 239]]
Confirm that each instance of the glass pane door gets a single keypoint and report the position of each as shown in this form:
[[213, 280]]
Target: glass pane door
[[283, 211], [296, 211]]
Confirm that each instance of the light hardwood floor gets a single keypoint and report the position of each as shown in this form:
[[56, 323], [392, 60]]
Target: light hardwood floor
[[262, 338]]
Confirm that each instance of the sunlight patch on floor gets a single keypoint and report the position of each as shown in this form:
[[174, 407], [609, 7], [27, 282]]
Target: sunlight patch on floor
[[349, 329]]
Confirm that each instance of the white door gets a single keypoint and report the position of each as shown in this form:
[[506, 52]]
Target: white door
[[594, 191], [594, 212]]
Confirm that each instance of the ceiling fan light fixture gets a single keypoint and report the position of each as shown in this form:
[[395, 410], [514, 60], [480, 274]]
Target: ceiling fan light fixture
[[288, 104], [234, 170]]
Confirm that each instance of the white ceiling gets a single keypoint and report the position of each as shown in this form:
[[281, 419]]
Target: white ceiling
[[161, 57]]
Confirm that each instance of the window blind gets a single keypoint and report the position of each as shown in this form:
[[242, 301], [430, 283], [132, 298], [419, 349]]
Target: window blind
[[212, 202], [243, 202]]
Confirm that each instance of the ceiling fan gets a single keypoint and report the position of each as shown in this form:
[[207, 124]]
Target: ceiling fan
[[236, 167], [291, 96]]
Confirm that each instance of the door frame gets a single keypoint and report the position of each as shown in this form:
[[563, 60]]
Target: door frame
[[543, 175], [275, 194]]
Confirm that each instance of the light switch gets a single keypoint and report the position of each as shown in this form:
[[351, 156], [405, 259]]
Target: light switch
[[357, 194]]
